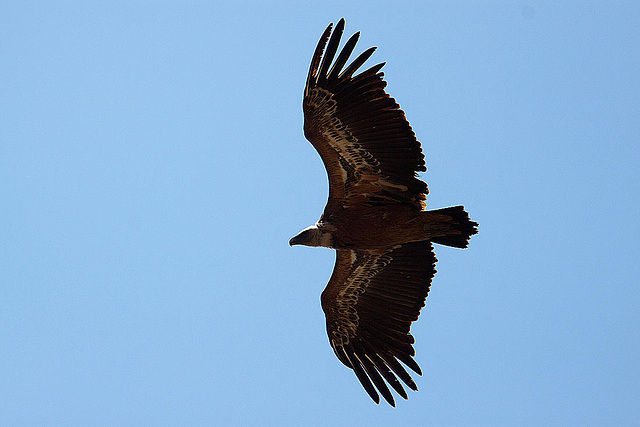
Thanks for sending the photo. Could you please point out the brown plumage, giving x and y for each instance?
(374, 217)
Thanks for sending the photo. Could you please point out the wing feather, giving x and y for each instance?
(384, 369)
(360, 132)
(330, 53)
(361, 374)
(346, 52)
(370, 302)
(373, 372)
(317, 56)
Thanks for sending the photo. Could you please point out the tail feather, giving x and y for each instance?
(461, 227)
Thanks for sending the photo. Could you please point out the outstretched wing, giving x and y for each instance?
(370, 302)
(367, 145)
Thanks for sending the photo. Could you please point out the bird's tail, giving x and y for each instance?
(460, 227)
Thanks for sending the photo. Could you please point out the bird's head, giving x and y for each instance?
(312, 236)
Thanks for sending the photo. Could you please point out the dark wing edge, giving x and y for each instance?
(370, 302)
(370, 152)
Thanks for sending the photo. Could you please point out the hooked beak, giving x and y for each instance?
(295, 240)
(300, 238)
(305, 237)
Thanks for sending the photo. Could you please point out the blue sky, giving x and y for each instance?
(153, 169)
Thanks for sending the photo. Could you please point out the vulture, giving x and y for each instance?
(375, 217)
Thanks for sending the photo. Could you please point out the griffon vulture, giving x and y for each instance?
(375, 217)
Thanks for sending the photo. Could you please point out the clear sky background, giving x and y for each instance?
(153, 168)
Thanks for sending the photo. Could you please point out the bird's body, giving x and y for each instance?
(383, 227)
(375, 217)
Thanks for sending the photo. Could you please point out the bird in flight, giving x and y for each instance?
(375, 217)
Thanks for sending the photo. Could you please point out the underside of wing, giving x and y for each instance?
(370, 302)
(370, 152)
